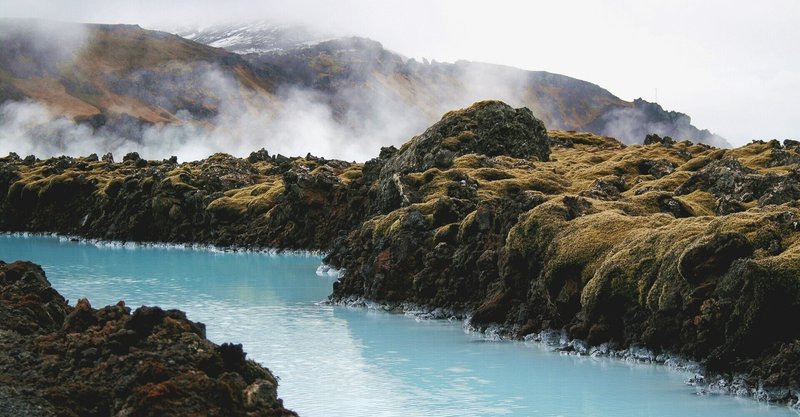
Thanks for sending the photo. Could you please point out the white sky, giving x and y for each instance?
(734, 66)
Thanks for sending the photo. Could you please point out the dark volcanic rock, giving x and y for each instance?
(654, 138)
(56, 360)
(613, 255)
(722, 177)
(488, 128)
(190, 202)
(735, 185)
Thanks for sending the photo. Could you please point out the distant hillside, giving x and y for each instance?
(108, 71)
(134, 89)
(346, 66)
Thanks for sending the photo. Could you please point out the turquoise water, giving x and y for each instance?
(338, 361)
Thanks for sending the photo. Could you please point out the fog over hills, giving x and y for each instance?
(80, 89)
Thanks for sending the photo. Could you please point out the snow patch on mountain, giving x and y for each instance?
(253, 38)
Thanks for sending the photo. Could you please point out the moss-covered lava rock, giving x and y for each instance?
(58, 360)
(490, 128)
(672, 245)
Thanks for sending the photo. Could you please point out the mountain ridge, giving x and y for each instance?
(253, 37)
(595, 123)
(134, 89)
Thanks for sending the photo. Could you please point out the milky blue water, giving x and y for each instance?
(338, 361)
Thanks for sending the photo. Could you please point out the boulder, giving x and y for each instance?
(488, 128)
(81, 361)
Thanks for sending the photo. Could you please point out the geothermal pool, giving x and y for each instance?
(340, 361)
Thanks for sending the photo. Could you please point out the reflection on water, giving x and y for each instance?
(337, 361)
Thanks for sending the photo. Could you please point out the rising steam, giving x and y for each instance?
(353, 123)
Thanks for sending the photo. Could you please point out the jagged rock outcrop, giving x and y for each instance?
(490, 128)
(58, 360)
(633, 121)
(735, 185)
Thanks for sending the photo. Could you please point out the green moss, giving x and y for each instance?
(227, 208)
(447, 233)
(643, 266)
(700, 203)
(785, 263)
(352, 173)
(581, 245)
(380, 225)
(701, 160)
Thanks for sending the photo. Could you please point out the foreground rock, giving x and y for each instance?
(58, 360)
(673, 246)
(260, 201)
(487, 128)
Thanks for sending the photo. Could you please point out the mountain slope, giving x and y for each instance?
(361, 66)
(115, 70)
(132, 89)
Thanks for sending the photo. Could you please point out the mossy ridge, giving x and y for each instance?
(597, 240)
(211, 201)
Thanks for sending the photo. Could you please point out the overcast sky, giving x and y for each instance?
(734, 66)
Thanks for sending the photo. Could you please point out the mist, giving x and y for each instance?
(732, 66)
(352, 125)
(634, 123)
(692, 60)
(300, 122)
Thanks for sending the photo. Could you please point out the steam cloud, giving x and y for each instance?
(352, 124)
(296, 122)
(632, 124)
(301, 123)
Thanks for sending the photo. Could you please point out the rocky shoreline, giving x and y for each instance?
(59, 360)
(166, 245)
(671, 246)
(739, 385)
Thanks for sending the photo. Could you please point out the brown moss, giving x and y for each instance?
(756, 155)
(351, 173)
(700, 203)
(668, 183)
(472, 161)
(643, 267)
(585, 138)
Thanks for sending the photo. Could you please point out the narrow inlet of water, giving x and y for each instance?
(339, 361)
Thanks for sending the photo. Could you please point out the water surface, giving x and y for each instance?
(338, 361)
